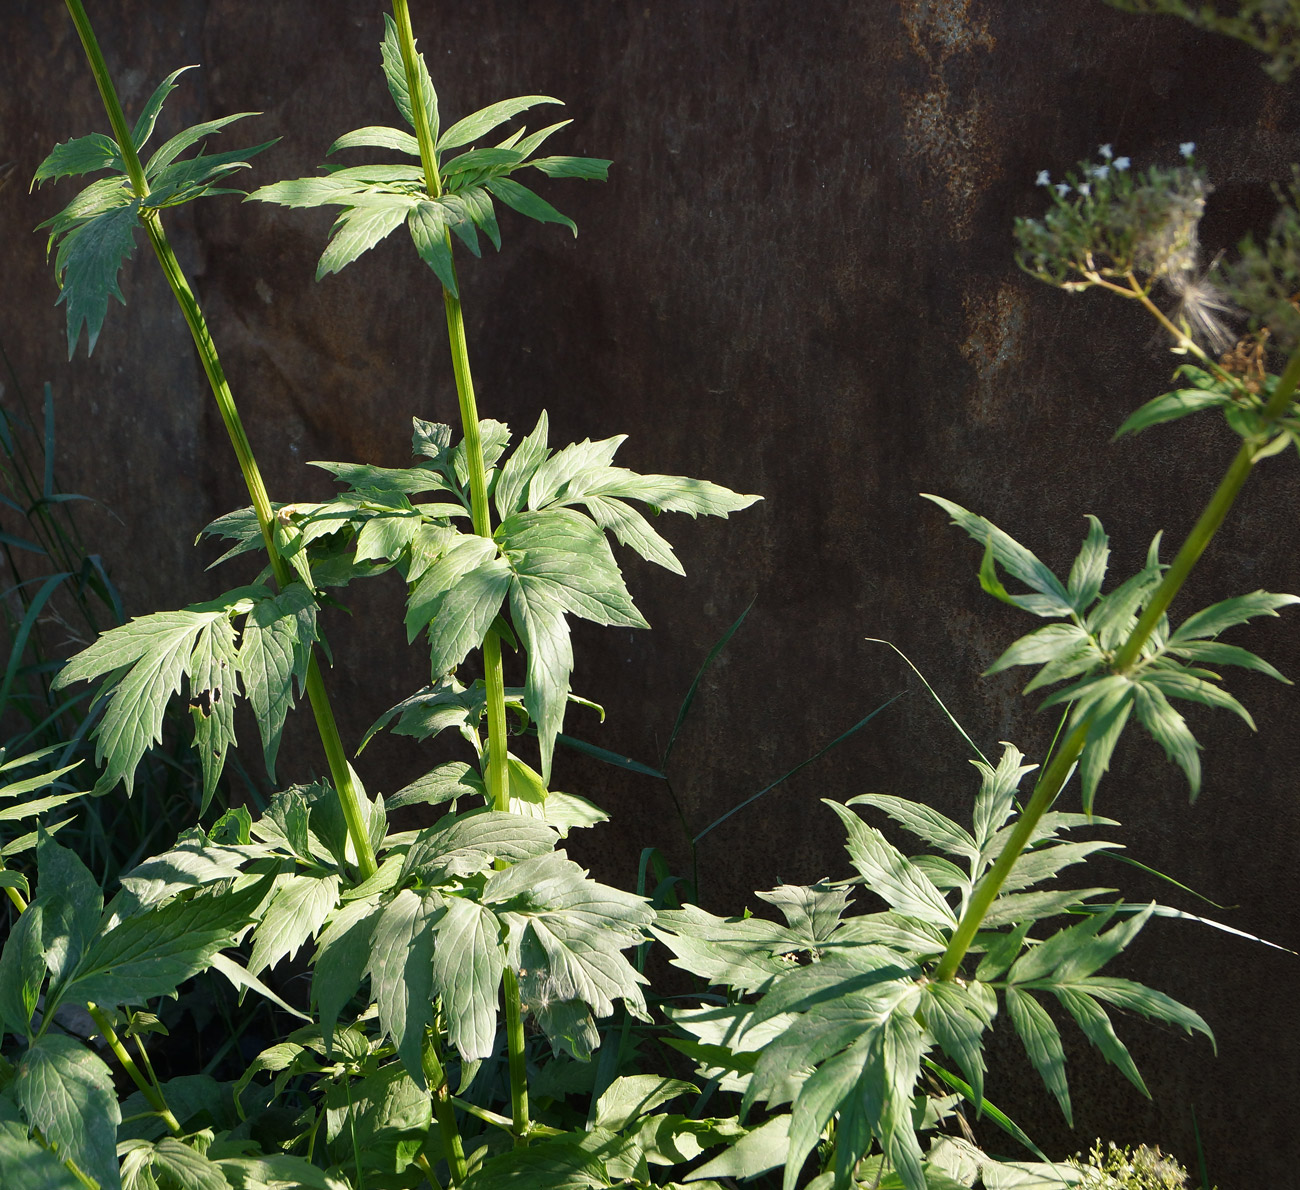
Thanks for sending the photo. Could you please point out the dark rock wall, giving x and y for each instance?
(798, 282)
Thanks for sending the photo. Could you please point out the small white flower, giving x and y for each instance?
(1101, 171)
(1105, 152)
(1043, 179)
(1121, 163)
(1062, 188)
(1187, 148)
(1085, 188)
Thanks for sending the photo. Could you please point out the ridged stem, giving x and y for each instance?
(341, 774)
(444, 1110)
(518, 1071)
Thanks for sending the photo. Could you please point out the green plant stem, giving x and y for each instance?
(344, 783)
(1045, 792)
(518, 1071)
(1054, 776)
(443, 1108)
(151, 1093)
(17, 898)
(498, 785)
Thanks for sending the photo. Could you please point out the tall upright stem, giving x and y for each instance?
(498, 784)
(336, 757)
(1054, 776)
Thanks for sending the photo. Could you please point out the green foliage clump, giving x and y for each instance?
(1140, 1168)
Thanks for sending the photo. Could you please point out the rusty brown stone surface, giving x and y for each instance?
(798, 282)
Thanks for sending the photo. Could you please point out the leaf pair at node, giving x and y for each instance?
(548, 558)
(1083, 649)
(95, 232)
(437, 198)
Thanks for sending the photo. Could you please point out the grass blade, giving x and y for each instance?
(875, 640)
(685, 708)
(858, 726)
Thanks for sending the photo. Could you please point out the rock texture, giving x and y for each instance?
(798, 282)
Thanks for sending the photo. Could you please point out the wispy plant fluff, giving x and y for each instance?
(1115, 227)
(1265, 279)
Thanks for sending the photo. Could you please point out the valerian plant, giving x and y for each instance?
(843, 1036)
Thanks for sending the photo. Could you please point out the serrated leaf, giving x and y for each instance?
(1012, 557)
(1138, 998)
(22, 970)
(922, 821)
(89, 258)
(523, 200)
(756, 1152)
(738, 952)
(470, 553)
(890, 875)
(566, 554)
(274, 650)
(73, 904)
(538, 617)
(1052, 643)
(1168, 728)
(670, 493)
(193, 862)
(152, 953)
(812, 912)
(29, 1165)
(187, 1166)
(1192, 686)
(997, 792)
(1042, 1042)
(427, 222)
(468, 960)
(519, 469)
(395, 73)
(468, 130)
(176, 145)
(446, 783)
(144, 125)
(1214, 653)
(466, 844)
(465, 612)
(1092, 1019)
(1171, 407)
(566, 933)
(67, 1092)
(1220, 616)
(299, 908)
(400, 969)
(148, 656)
(1089, 569)
(958, 1017)
(377, 137)
(632, 1097)
(84, 155)
(341, 959)
(592, 168)
(359, 228)
(632, 530)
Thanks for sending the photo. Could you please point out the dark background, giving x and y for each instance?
(797, 282)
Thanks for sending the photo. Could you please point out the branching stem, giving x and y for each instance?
(152, 1094)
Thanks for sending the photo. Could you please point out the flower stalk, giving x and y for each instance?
(1058, 770)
